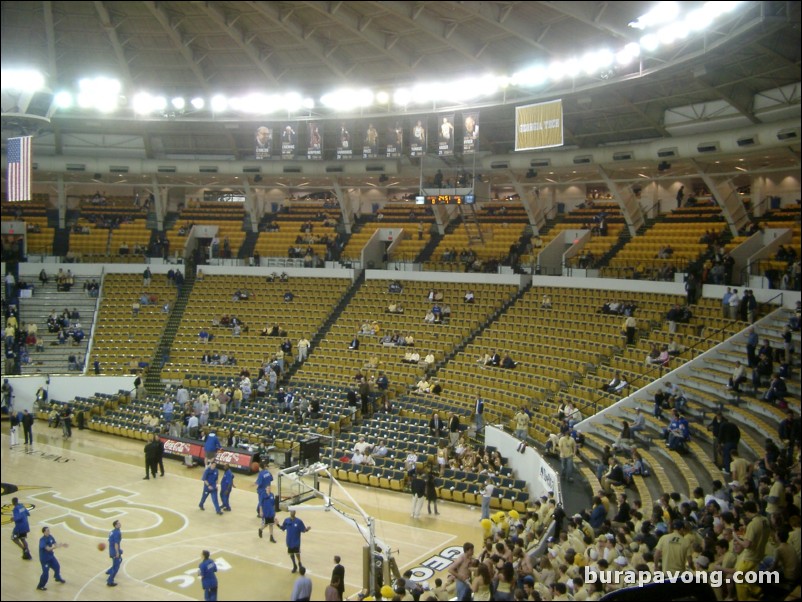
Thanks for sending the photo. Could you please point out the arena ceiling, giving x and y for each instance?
(713, 80)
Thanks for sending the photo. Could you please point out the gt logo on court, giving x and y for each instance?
(91, 515)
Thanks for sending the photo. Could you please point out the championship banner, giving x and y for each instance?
(264, 142)
(370, 147)
(470, 134)
(539, 125)
(445, 135)
(314, 150)
(289, 141)
(417, 146)
(344, 149)
(395, 140)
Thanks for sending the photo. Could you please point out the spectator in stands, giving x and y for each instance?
(636, 467)
(545, 302)
(422, 386)
(354, 343)
(522, 425)
(678, 433)
(653, 354)
(508, 362)
(638, 424)
(454, 429)
(614, 477)
(598, 513)
(572, 415)
(614, 382)
(437, 426)
(675, 347)
(777, 391)
(737, 378)
(567, 450)
(728, 437)
(77, 334)
(395, 308)
(734, 304)
(624, 440)
(630, 328)
(762, 371)
(469, 297)
(676, 396)
(494, 359)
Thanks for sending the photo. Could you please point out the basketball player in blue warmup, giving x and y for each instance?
(263, 482)
(21, 527)
(210, 486)
(47, 557)
(268, 505)
(294, 527)
(226, 485)
(115, 552)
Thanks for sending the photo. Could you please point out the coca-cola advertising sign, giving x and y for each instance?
(179, 448)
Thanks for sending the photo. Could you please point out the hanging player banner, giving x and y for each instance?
(470, 134)
(344, 150)
(289, 140)
(264, 142)
(417, 145)
(395, 140)
(539, 125)
(445, 135)
(315, 148)
(370, 147)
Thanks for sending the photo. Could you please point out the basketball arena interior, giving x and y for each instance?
(468, 232)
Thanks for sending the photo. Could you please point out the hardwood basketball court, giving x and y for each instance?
(79, 486)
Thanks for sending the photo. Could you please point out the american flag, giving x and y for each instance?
(19, 168)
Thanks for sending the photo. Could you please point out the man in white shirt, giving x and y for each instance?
(487, 495)
(303, 348)
(182, 395)
(361, 446)
(192, 426)
(735, 304)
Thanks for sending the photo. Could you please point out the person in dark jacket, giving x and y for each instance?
(151, 457)
(431, 493)
(729, 435)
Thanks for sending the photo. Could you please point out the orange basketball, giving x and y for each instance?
(101, 546)
(255, 467)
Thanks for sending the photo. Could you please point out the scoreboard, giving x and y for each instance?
(446, 199)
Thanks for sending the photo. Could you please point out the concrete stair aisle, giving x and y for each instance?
(686, 476)
(590, 459)
(649, 488)
(36, 309)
